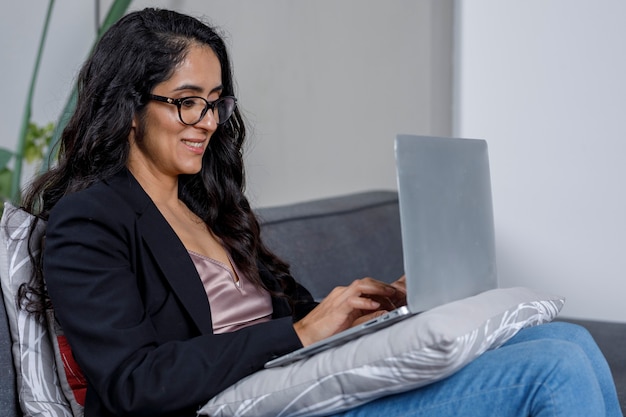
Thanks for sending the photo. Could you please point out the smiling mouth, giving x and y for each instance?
(191, 144)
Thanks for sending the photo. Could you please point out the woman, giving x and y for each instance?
(157, 273)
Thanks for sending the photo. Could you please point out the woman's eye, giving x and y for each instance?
(189, 102)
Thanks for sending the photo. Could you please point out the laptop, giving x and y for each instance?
(446, 218)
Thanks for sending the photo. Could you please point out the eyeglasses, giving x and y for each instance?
(193, 109)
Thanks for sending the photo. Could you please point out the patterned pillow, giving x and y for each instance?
(426, 348)
(39, 385)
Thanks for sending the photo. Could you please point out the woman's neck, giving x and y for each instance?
(162, 190)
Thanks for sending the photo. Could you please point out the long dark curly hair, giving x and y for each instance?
(138, 52)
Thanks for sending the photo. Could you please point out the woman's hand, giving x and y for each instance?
(347, 306)
(399, 298)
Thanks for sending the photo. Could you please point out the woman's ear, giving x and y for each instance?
(132, 135)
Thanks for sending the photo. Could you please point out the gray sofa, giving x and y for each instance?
(333, 241)
(329, 242)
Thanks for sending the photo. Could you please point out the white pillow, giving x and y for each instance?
(426, 348)
(38, 385)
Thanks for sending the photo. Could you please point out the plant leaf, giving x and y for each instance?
(5, 157)
(5, 183)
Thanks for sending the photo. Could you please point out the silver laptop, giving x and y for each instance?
(446, 218)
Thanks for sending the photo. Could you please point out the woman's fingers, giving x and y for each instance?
(362, 319)
(399, 298)
(344, 306)
(371, 287)
(400, 284)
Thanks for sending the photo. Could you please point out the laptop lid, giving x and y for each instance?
(446, 216)
(447, 230)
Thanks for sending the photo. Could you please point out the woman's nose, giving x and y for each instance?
(208, 121)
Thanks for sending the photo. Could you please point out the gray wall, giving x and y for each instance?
(544, 83)
(325, 85)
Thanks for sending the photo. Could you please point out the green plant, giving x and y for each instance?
(36, 144)
(31, 135)
(117, 10)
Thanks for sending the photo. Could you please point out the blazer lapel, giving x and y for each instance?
(168, 251)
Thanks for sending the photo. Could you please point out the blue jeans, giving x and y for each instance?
(550, 370)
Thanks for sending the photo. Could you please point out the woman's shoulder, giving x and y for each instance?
(111, 196)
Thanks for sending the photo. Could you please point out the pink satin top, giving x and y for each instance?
(234, 303)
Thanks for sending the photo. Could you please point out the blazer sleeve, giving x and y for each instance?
(133, 364)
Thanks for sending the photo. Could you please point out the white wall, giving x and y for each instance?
(70, 35)
(325, 85)
(543, 82)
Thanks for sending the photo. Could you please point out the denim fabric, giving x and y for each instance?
(550, 370)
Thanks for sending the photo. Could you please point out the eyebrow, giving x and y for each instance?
(198, 89)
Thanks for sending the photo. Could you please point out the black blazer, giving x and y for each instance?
(135, 312)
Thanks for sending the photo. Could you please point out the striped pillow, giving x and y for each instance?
(39, 385)
(426, 348)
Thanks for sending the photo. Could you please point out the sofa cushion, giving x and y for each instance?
(38, 385)
(611, 339)
(8, 394)
(425, 348)
(332, 241)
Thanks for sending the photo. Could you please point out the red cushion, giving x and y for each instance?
(74, 375)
